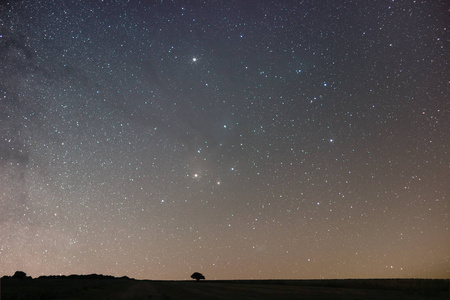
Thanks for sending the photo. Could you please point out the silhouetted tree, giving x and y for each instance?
(20, 275)
(197, 276)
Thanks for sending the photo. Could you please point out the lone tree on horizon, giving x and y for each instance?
(197, 276)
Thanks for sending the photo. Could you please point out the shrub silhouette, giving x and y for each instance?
(197, 276)
(20, 275)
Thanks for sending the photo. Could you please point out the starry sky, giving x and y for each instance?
(240, 139)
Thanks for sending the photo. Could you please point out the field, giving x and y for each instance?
(121, 288)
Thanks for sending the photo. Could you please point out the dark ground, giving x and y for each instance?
(94, 288)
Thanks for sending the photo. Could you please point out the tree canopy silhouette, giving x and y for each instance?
(197, 276)
(20, 275)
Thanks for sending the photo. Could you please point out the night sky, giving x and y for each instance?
(239, 139)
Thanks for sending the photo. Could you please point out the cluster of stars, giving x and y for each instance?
(154, 139)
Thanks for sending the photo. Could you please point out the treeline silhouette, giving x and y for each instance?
(22, 275)
(81, 277)
(86, 287)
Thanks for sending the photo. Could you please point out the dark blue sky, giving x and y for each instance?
(240, 139)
